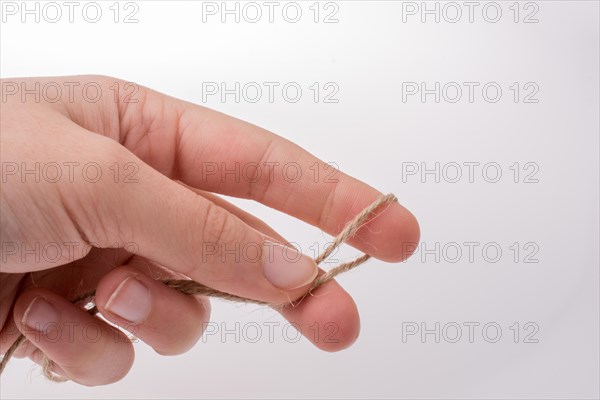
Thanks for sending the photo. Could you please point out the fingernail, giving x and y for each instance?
(287, 268)
(130, 301)
(40, 316)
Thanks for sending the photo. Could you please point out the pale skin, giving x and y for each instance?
(167, 214)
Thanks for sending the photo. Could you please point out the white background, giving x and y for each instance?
(372, 134)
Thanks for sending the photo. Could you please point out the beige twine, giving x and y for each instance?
(191, 287)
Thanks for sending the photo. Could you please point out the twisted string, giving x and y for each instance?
(194, 288)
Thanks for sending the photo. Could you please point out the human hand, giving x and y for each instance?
(118, 220)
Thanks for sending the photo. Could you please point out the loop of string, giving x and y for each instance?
(194, 288)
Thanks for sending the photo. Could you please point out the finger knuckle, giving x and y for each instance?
(218, 227)
(92, 205)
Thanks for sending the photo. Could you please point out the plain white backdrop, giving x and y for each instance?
(533, 307)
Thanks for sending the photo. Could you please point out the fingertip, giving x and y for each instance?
(111, 282)
(25, 300)
(392, 236)
(406, 234)
(338, 318)
(328, 317)
(84, 348)
(171, 322)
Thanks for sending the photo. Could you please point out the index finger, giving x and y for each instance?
(212, 149)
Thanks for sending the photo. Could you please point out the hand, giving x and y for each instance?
(105, 210)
